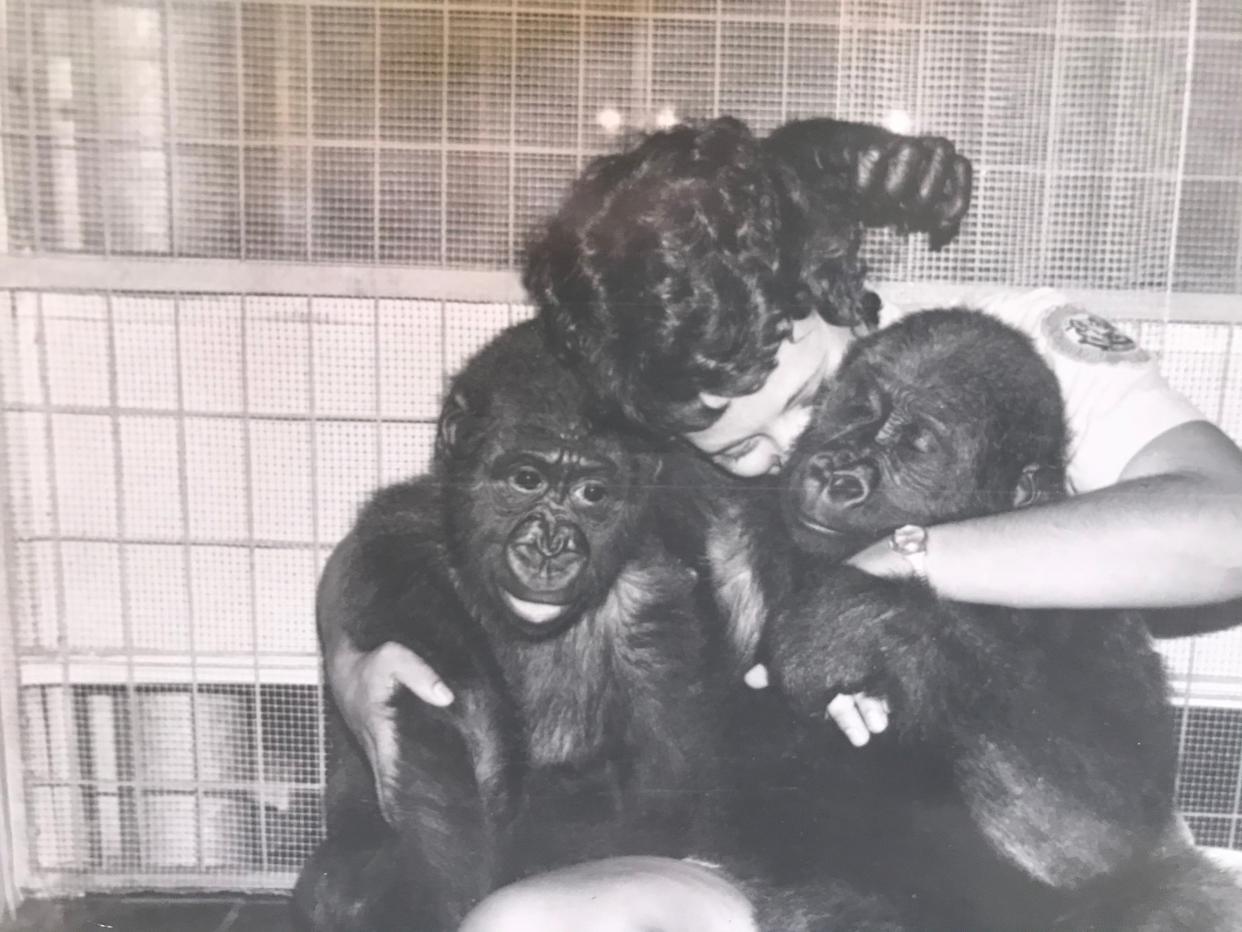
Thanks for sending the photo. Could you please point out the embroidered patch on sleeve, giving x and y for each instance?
(1083, 335)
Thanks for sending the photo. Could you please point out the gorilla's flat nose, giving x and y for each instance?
(838, 478)
(546, 555)
(564, 537)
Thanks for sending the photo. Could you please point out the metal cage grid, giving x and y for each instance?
(185, 439)
(436, 133)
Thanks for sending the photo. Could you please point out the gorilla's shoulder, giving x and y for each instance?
(412, 507)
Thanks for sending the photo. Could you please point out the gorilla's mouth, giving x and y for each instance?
(537, 613)
(809, 536)
(816, 528)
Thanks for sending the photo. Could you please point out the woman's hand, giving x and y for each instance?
(363, 684)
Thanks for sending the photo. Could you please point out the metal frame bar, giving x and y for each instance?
(230, 276)
(57, 882)
(14, 847)
(493, 286)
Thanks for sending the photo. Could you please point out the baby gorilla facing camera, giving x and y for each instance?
(1052, 729)
(524, 571)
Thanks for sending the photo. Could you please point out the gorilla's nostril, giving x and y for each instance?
(846, 487)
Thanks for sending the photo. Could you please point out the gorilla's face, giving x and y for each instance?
(544, 502)
(558, 509)
(896, 439)
(947, 414)
(884, 461)
(545, 512)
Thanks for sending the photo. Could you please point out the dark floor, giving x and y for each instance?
(153, 914)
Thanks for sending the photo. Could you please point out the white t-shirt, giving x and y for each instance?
(1116, 400)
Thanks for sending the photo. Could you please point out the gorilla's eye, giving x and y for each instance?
(592, 493)
(921, 439)
(526, 479)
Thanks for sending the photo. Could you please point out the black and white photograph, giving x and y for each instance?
(621, 466)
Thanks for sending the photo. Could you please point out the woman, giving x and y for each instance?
(705, 283)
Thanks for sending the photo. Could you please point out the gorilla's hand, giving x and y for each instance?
(859, 716)
(917, 183)
(826, 643)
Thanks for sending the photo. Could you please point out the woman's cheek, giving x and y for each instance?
(792, 426)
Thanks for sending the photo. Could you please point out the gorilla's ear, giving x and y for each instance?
(1036, 485)
(455, 418)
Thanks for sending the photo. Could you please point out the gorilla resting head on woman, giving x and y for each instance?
(675, 272)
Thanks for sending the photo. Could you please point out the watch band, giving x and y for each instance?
(910, 540)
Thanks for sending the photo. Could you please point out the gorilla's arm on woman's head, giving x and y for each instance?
(678, 266)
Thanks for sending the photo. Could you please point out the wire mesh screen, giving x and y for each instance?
(437, 132)
(179, 467)
(179, 464)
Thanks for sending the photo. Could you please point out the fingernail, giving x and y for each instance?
(441, 694)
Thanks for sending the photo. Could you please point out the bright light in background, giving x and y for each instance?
(666, 117)
(610, 120)
(898, 121)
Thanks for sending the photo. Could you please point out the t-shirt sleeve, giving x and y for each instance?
(1106, 437)
(1116, 399)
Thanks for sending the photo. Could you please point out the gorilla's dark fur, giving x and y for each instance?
(1027, 780)
(523, 570)
(1045, 737)
(590, 696)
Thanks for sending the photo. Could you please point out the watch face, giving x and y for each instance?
(910, 538)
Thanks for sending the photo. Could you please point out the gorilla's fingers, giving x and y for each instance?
(843, 709)
(936, 173)
(757, 677)
(915, 183)
(955, 204)
(865, 165)
(905, 167)
(941, 236)
(955, 207)
(874, 712)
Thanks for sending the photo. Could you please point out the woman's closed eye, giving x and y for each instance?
(738, 450)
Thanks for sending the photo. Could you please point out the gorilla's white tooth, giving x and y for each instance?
(536, 613)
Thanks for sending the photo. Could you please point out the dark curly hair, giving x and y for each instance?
(679, 266)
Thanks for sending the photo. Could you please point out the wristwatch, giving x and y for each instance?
(910, 541)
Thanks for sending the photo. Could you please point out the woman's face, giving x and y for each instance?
(755, 432)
